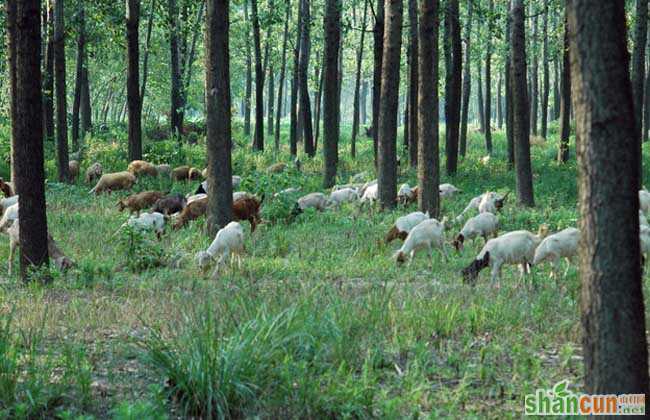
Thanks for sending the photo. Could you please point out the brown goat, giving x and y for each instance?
(276, 168)
(170, 204)
(141, 167)
(185, 173)
(73, 169)
(114, 181)
(140, 201)
(248, 208)
(94, 172)
(6, 188)
(192, 211)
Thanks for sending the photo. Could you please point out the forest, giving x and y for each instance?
(219, 209)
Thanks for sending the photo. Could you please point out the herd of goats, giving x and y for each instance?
(151, 211)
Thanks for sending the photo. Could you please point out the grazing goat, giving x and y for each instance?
(192, 211)
(644, 201)
(427, 234)
(229, 242)
(142, 167)
(405, 194)
(447, 190)
(61, 261)
(94, 172)
(73, 169)
(489, 202)
(403, 225)
(485, 224)
(140, 201)
(248, 208)
(643, 221)
(6, 188)
(291, 190)
(7, 202)
(170, 204)
(563, 244)
(164, 170)
(517, 247)
(203, 186)
(147, 222)
(344, 195)
(315, 200)
(365, 186)
(276, 168)
(185, 173)
(114, 181)
(9, 216)
(371, 194)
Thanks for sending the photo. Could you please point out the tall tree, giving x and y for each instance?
(24, 34)
(133, 79)
(389, 101)
(453, 65)
(488, 80)
(249, 74)
(427, 110)
(479, 99)
(378, 54)
(283, 70)
(258, 136)
(646, 106)
(305, 104)
(59, 82)
(546, 88)
(565, 99)
(145, 59)
(638, 71)
(534, 82)
(613, 313)
(175, 67)
(467, 81)
(412, 122)
(357, 84)
(217, 99)
(48, 75)
(78, 86)
(293, 131)
(331, 105)
(521, 107)
(271, 100)
(508, 96)
(499, 102)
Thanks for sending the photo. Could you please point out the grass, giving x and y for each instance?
(320, 321)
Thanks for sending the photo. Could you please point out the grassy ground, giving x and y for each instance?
(320, 322)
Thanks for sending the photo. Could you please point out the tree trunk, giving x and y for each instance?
(293, 132)
(217, 99)
(48, 76)
(613, 315)
(378, 52)
(305, 105)
(427, 110)
(546, 88)
(357, 84)
(646, 109)
(86, 111)
(258, 136)
(509, 108)
(521, 107)
(412, 126)
(133, 79)
(189, 62)
(319, 94)
(467, 81)
(364, 103)
(565, 100)
(453, 62)
(331, 105)
(249, 75)
(59, 82)
(534, 80)
(175, 60)
(283, 70)
(145, 59)
(271, 101)
(24, 35)
(499, 103)
(638, 71)
(81, 56)
(488, 83)
(556, 88)
(479, 100)
(389, 101)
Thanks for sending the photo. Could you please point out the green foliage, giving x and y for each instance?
(141, 252)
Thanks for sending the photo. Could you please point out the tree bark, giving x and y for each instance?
(81, 56)
(427, 110)
(271, 100)
(145, 59)
(499, 103)
(556, 88)
(305, 104)
(389, 101)
(638, 71)
(467, 81)
(59, 82)
(546, 88)
(646, 106)
(453, 64)
(249, 75)
(86, 111)
(364, 104)
(378, 52)
(521, 107)
(479, 100)
(565, 100)
(412, 123)
(331, 105)
(488, 82)
(293, 131)
(175, 61)
(357, 84)
(217, 99)
(283, 70)
(509, 108)
(613, 315)
(133, 79)
(24, 35)
(48, 76)
(258, 136)
(317, 106)
(534, 80)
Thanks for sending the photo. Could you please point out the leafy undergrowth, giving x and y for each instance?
(319, 322)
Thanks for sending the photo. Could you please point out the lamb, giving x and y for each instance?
(517, 247)
(73, 169)
(203, 186)
(563, 244)
(485, 224)
(170, 204)
(7, 202)
(315, 200)
(114, 181)
(147, 222)
(229, 241)
(343, 195)
(185, 173)
(164, 170)
(403, 225)
(10, 215)
(142, 167)
(94, 172)
(61, 261)
(6, 188)
(427, 234)
(192, 211)
(447, 190)
(140, 201)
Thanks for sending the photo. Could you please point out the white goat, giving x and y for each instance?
(344, 195)
(365, 186)
(61, 261)
(9, 216)
(644, 201)
(290, 190)
(517, 247)
(427, 234)
(563, 244)
(643, 221)
(147, 222)
(404, 194)
(484, 224)
(228, 242)
(490, 202)
(315, 200)
(403, 225)
(195, 197)
(7, 202)
(371, 193)
(447, 190)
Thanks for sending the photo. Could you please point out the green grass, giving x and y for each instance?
(320, 321)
